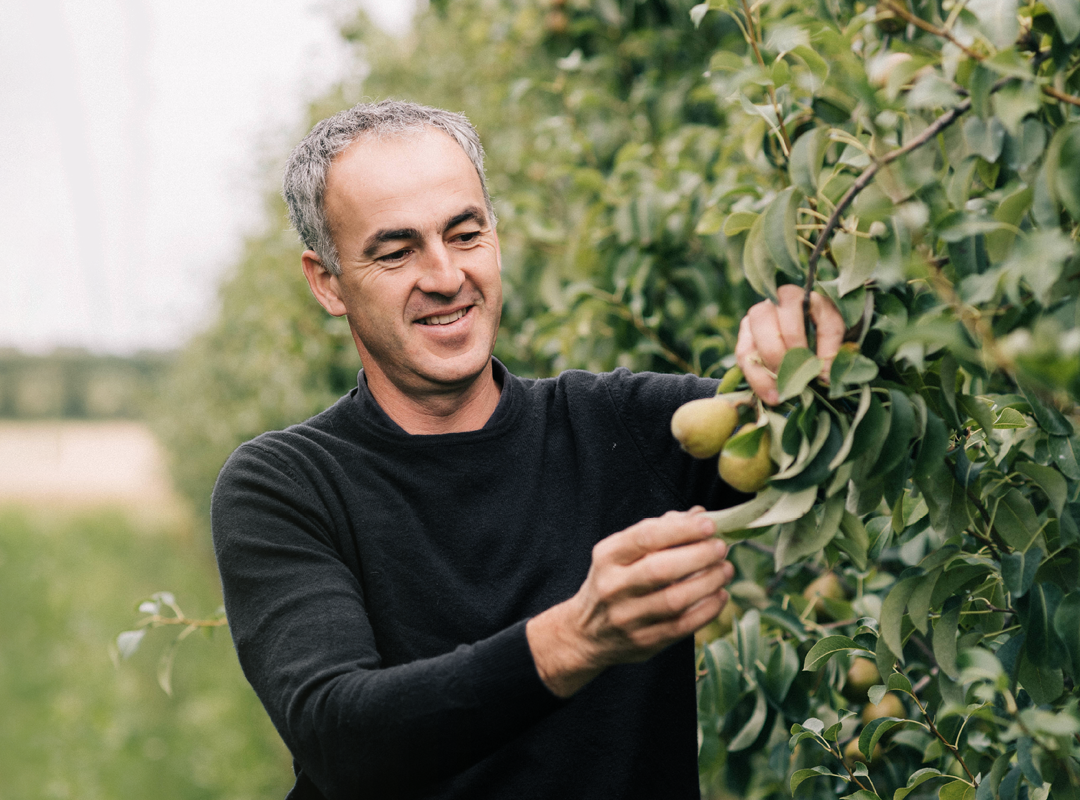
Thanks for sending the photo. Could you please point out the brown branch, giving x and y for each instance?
(918, 22)
(1059, 95)
(936, 127)
(949, 745)
(944, 33)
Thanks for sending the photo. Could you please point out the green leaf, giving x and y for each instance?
(1018, 570)
(1065, 452)
(1049, 480)
(1015, 519)
(817, 65)
(1026, 763)
(979, 411)
(802, 775)
(799, 367)
(780, 672)
(758, 267)
(807, 156)
(932, 448)
(856, 256)
(128, 642)
(1049, 418)
(808, 535)
(778, 231)
(791, 506)
(825, 649)
(892, 612)
(849, 440)
(1067, 627)
(855, 541)
(901, 430)
(985, 137)
(1063, 166)
(748, 640)
(738, 222)
(1066, 14)
(919, 602)
(957, 790)
(917, 779)
(850, 368)
(727, 675)
(1044, 684)
(875, 729)
(944, 639)
(997, 20)
(739, 517)
(816, 468)
(752, 729)
(1010, 419)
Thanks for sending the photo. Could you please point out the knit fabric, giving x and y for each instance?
(377, 586)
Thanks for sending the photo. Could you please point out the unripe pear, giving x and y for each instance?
(890, 706)
(744, 466)
(702, 426)
(826, 585)
(852, 753)
(861, 675)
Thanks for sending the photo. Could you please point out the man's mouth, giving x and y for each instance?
(445, 319)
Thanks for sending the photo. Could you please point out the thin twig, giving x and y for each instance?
(936, 127)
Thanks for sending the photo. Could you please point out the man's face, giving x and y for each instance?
(419, 258)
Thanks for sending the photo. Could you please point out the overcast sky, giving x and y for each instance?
(132, 133)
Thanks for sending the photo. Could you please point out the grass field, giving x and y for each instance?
(73, 725)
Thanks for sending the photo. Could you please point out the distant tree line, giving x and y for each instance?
(72, 383)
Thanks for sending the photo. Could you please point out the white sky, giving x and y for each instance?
(132, 134)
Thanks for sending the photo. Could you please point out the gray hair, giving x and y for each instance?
(304, 184)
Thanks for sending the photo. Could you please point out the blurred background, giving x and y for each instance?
(153, 315)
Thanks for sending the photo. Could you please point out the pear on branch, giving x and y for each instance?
(703, 426)
(744, 461)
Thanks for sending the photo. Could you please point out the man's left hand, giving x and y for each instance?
(769, 330)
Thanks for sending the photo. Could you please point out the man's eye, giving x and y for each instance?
(468, 237)
(397, 255)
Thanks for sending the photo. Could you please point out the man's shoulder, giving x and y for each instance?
(626, 388)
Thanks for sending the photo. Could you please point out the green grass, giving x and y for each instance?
(73, 725)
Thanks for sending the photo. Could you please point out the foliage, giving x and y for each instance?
(918, 165)
(75, 726)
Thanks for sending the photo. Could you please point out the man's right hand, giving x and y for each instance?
(649, 586)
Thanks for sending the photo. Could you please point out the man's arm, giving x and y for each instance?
(649, 586)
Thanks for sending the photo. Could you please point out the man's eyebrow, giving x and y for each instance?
(371, 248)
(472, 213)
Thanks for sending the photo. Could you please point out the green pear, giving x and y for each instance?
(744, 461)
(702, 426)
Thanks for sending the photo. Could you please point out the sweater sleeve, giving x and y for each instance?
(297, 616)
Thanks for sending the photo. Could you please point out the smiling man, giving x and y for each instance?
(456, 582)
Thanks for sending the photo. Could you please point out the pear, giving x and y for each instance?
(826, 585)
(890, 706)
(852, 753)
(861, 675)
(702, 426)
(744, 461)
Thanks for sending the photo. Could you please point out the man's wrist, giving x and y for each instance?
(559, 653)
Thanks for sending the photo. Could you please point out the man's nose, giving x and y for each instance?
(440, 273)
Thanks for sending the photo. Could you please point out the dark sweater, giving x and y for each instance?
(377, 586)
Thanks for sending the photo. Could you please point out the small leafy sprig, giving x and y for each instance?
(162, 610)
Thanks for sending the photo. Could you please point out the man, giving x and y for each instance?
(456, 582)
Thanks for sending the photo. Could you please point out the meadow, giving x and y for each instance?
(74, 724)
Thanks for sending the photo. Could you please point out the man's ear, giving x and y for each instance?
(323, 284)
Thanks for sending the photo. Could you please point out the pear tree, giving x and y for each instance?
(918, 163)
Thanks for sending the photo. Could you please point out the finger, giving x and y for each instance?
(830, 330)
(672, 612)
(669, 566)
(650, 535)
(671, 601)
(768, 338)
(762, 382)
(790, 316)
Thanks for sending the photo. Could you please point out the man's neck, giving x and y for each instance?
(450, 411)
